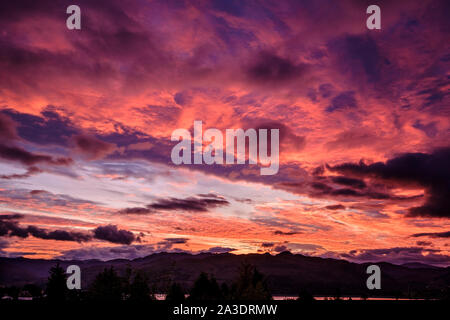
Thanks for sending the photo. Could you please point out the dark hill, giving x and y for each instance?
(287, 273)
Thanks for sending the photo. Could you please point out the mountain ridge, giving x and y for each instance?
(286, 273)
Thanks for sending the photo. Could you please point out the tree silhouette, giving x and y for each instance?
(305, 296)
(225, 291)
(205, 288)
(337, 295)
(107, 286)
(175, 293)
(34, 290)
(56, 284)
(139, 289)
(250, 285)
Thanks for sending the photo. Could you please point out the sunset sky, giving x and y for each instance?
(86, 118)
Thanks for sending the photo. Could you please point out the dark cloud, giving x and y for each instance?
(168, 243)
(269, 68)
(351, 182)
(30, 172)
(432, 97)
(13, 153)
(38, 192)
(424, 243)
(7, 129)
(136, 210)
(190, 204)
(130, 252)
(430, 171)
(285, 233)
(280, 248)
(429, 129)
(326, 90)
(267, 244)
(182, 98)
(176, 240)
(445, 234)
(58, 234)
(46, 198)
(219, 250)
(353, 138)
(112, 234)
(335, 207)
(323, 189)
(91, 147)
(358, 55)
(399, 255)
(344, 101)
(10, 227)
(13, 216)
(199, 203)
(289, 140)
(50, 127)
(233, 7)
(108, 253)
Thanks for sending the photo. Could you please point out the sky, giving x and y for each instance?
(86, 118)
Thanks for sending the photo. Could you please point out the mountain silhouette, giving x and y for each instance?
(287, 273)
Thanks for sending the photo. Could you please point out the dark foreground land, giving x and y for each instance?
(215, 310)
(286, 274)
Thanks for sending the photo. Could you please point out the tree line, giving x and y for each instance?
(134, 286)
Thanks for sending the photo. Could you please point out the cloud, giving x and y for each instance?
(285, 233)
(108, 253)
(323, 188)
(445, 234)
(91, 147)
(7, 129)
(352, 138)
(112, 234)
(280, 248)
(58, 234)
(128, 74)
(11, 151)
(182, 98)
(343, 101)
(270, 68)
(174, 240)
(429, 129)
(130, 252)
(267, 244)
(358, 55)
(11, 228)
(168, 243)
(218, 250)
(399, 255)
(21, 155)
(429, 170)
(13, 216)
(335, 207)
(424, 243)
(49, 127)
(200, 203)
(30, 172)
(136, 210)
(351, 182)
(304, 247)
(289, 141)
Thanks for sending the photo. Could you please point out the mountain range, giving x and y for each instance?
(287, 273)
